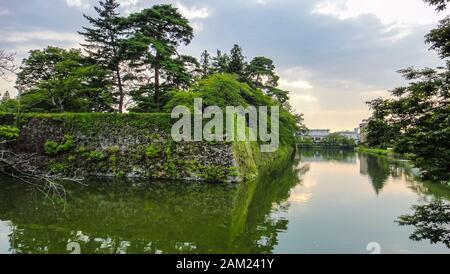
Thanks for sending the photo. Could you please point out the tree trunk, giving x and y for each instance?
(121, 93)
(156, 98)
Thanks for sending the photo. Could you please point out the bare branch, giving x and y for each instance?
(7, 63)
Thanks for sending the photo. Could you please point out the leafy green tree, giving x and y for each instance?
(337, 140)
(103, 44)
(261, 72)
(237, 63)
(281, 96)
(439, 38)
(226, 90)
(380, 133)
(58, 80)
(419, 113)
(158, 32)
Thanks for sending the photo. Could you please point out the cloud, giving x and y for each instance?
(333, 55)
(78, 3)
(193, 12)
(416, 12)
(4, 11)
(295, 85)
(38, 34)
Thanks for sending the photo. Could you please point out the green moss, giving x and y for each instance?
(153, 151)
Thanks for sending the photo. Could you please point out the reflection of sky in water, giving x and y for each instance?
(333, 202)
(4, 237)
(336, 209)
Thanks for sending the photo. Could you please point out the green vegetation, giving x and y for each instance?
(53, 148)
(9, 132)
(431, 221)
(333, 140)
(416, 120)
(81, 93)
(153, 151)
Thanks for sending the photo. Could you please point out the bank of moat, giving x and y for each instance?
(131, 145)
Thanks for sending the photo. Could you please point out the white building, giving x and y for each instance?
(317, 134)
(350, 134)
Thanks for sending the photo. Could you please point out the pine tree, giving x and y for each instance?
(160, 30)
(220, 62)
(237, 61)
(205, 64)
(103, 42)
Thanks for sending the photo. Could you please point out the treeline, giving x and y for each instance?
(129, 64)
(416, 120)
(334, 140)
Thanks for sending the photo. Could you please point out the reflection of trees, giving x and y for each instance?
(143, 217)
(273, 189)
(326, 155)
(431, 222)
(379, 169)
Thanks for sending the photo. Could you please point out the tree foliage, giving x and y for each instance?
(58, 80)
(416, 120)
(431, 222)
(439, 4)
(237, 63)
(104, 44)
(157, 34)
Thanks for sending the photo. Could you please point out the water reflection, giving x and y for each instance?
(320, 201)
(143, 217)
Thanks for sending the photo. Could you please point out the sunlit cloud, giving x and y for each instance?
(193, 12)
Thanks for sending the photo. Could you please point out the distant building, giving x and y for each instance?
(317, 134)
(354, 135)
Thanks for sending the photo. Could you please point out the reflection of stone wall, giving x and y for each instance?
(126, 145)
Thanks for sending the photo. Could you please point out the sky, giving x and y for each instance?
(333, 55)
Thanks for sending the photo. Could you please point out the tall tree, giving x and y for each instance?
(220, 62)
(237, 61)
(205, 64)
(419, 113)
(103, 43)
(158, 32)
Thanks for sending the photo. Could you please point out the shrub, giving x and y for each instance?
(9, 132)
(53, 148)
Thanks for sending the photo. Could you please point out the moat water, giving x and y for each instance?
(322, 201)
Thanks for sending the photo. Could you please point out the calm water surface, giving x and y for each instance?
(320, 202)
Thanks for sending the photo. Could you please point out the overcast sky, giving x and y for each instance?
(333, 55)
